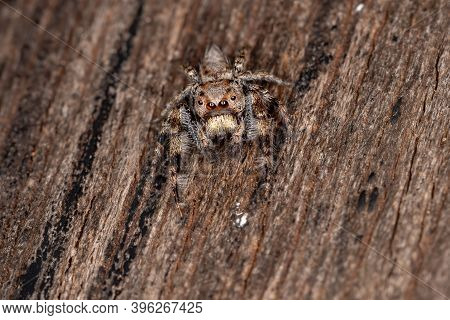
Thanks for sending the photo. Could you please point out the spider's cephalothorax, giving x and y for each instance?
(223, 106)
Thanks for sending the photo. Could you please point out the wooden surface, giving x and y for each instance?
(358, 207)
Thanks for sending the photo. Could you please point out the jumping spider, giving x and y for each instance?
(222, 107)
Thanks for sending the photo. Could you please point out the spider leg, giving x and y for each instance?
(192, 74)
(174, 102)
(159, 162)
(271, 128)
(171, 143)
(262, 76)
(251, 128)
(182, 138)
(277, 115)
(277, 112)
(174, 171)
(179, 97)
(240, 62)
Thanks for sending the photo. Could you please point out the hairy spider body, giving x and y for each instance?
(222, 107)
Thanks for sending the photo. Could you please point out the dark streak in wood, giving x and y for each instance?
(55, 249)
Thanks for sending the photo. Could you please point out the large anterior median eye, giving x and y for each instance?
(211, 105)
(223, 103)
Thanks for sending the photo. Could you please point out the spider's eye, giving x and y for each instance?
(200, 102)
(233, 98)
(211, 105)
(223, 103)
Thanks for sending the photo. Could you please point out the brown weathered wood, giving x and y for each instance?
(358, 207)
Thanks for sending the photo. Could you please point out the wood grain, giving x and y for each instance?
(358, 207)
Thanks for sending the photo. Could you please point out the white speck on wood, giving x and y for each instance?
(241, 220)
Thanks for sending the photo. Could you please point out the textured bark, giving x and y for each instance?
(358, 206)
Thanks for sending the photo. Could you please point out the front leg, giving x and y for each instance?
(240, 62)
(260, 76)
(174, 102)
(178, 147)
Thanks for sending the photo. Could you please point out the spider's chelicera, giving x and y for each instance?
(223, 106)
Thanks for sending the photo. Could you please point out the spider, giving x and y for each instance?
(223, 106)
